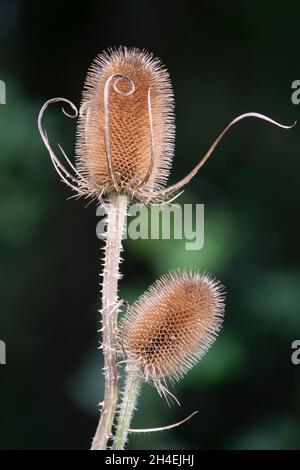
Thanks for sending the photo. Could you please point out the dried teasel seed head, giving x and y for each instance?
(173, 324)
(125, 135)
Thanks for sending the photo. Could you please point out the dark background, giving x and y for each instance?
(225, 58)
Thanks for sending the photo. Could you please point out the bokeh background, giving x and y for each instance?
(225, 58)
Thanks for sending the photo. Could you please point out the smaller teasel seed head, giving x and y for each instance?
(171, 326)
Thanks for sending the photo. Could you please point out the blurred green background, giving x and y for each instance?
(225, 58)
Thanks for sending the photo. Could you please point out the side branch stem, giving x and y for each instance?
(130, 396)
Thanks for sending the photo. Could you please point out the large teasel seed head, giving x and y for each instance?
(125, 135)
(172, 325)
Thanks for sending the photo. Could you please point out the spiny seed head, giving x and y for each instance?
(125, 137)
(173, 324)
(126, 127)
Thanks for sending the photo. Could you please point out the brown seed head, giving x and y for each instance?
(173, 324)
(125, 138)
(126, 126)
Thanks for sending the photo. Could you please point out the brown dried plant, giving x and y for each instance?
(165, 333)
(172, 325)
(124, 150)
(128, 94)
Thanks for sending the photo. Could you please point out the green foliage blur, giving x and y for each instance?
(225, 58)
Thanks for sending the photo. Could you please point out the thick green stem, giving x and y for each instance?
(130, 394)
(116, 215)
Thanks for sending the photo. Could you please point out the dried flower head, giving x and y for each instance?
(126, 128)
(125, 137)
(173, 324)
